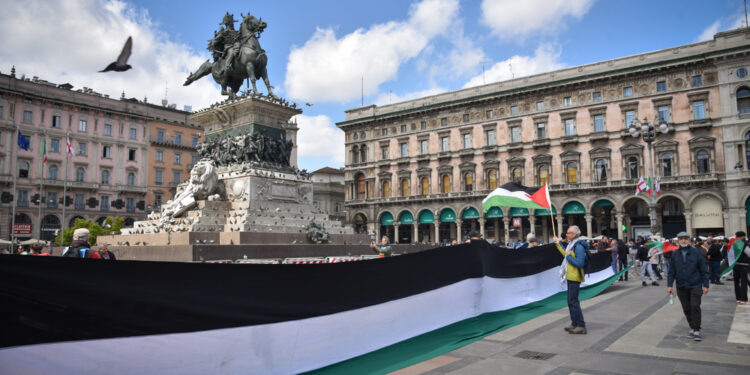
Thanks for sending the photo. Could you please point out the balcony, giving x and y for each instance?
(83, 185)
(489, 150)
(53, 182)
(466, 152)
(515, 146)
(131, 189)
(569, 140)
(705, 123)
(444, 155)
(598, 136)
(171, 143)
(541, 142)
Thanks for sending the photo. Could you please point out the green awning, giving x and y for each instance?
(603, 203)
(406, 217)
(386, 218)
(447, 216)
(426, 217)
(544, 211)
(519, 212)
(573, 208)
(470, 213)
(494, 212)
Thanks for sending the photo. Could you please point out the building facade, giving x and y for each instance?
(417, 171)
(172, 154)
(329, 192)
(106, 175)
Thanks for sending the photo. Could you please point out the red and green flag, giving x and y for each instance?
(44, 149)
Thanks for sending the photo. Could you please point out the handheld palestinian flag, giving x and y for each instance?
(733, 254)
(515, 195)
(202, 318)
(665, 246)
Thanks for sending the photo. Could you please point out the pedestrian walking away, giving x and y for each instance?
(572, 272)
(739, 273)
(688, 270)
(623, 253)
(643, 257)
(714, 260)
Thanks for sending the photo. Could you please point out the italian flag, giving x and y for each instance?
(44, 150)
(515, 195)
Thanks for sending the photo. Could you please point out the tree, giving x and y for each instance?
(111, 223)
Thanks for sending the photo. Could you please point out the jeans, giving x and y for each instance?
(655, 268)
(690, 299)
(739, 274)
(614, 266)
(574, 306)
(645, 265)
(715, 266)
(624, 265)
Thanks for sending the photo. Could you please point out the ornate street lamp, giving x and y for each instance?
(648, 132)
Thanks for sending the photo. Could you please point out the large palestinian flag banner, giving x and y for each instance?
(86, 316)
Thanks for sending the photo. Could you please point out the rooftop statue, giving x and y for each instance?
(237, 56)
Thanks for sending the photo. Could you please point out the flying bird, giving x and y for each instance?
(121, 64)
(308, 104)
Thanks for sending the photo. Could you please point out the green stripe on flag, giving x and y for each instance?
(443, 340)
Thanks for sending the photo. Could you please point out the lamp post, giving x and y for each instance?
(648, 132)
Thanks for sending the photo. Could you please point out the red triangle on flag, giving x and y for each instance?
(668, 246)
(541, 197)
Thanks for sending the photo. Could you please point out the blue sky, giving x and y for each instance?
(319, 50)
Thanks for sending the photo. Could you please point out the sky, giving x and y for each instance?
(340, 54)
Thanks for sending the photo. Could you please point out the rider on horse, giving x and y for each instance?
(227, 41)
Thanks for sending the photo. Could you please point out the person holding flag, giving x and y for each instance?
(742, 261)
(688, 269)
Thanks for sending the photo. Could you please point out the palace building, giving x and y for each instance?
(418, 170)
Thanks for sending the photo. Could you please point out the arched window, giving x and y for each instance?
(743, 100)
(468, 181)
(355, 155)
(80, 174)
(446, 183)
(543, 175)
(747, 150)
(405, 187)
(360, 186)
(516, 175)
(131, 179)
(704, 162)
(425, 182)
(492, 180)
(52, 172)
(572, 172)
(386, 189)
(601, 170)
(355, 136)
(105, 177)
(666, 164)
(633, 167)
(23, 169)
(363, 153)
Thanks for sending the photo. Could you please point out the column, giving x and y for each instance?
(506, 221)
(415, 236)
(545, 231)
(619, 226)
(532, 224)
(457, 234)
(560, 226)
(497, 229)
(588, 218)
(481, 226)
(437, 230)
(688, 223)
(396, 224)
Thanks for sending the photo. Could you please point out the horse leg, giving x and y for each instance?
(268, 84)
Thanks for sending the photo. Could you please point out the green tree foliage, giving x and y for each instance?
(111, 224)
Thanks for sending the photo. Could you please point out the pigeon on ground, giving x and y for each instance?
(121, 64)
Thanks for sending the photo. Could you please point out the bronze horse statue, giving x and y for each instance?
(250, 61)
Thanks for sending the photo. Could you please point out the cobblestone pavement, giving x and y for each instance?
(632, 329)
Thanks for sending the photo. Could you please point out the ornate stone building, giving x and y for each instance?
(418, 170)
(329, 192)
(106, 176)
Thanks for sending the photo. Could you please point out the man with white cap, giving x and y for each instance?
(80, 247)
(688, 268)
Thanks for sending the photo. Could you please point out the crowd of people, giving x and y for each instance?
(79, 248)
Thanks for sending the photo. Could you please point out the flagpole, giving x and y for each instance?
(65, 188)
(551, 216)
(15, 177)
(41, 182)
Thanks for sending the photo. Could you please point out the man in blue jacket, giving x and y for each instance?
(688, 268)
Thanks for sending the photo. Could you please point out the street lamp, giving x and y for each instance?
(648, 132)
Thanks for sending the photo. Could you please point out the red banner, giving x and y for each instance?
(22, 229)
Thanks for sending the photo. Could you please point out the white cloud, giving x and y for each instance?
(709, 32)
(520, 18)
(319, 136)
(70, 40)
(389, 98)
(327, 68)
(546, 58)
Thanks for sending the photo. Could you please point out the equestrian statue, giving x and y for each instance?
(237, 55)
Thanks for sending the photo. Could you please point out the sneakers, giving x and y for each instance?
(697, 336)
(644, 283)
(655, 283)
(569, 328)
(691, 334)
(578, 331)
